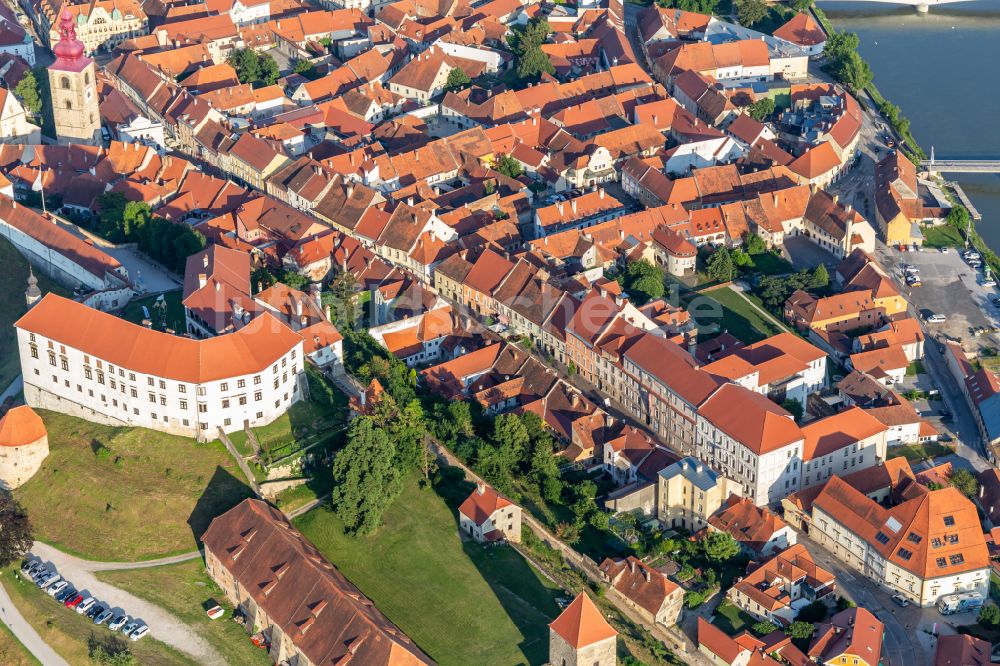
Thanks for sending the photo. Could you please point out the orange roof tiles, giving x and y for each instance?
(249, 350)
(21, 426)
(482, 504)
(801, 29)
(582, 624)
(826, 435)
(751, 419)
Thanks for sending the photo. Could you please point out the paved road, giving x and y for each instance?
(898, 647)
(162, 625)
(26, 633)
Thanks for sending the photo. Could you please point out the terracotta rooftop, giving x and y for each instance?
(582, 624)
(20, 426)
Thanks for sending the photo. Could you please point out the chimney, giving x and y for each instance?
(480, 487)
(327, 312)
(601, 192)
(202, 279)
(298, 308)
(836, 198)
(218, 285)
(204, 260)
(560, 207)
(573, 205)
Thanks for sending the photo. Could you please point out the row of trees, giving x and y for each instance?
(774, 290)
(845, 64)
(121, 220)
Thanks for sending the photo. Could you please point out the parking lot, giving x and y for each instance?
(951, 287)
(47, 578)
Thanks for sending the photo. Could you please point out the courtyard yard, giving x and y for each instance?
(917, 452)
(68, 633)
(186, 591)
(172, 316)
(725, 309)
(127, 494)
(460, 602)
(13, 305)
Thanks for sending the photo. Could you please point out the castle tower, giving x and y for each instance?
(580, 636)
(73, 88)
(32, 294)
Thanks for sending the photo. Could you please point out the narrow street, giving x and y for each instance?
(898, 646)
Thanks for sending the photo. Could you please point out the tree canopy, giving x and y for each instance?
(720, 266)
(966, 482)
(120, 220)
(531, 60)
(508, 166)
(750, 12)
(26, 91)
(16, 535)
(762, 108)
(643, 281)
(366, 477)
(720, 547)
(845, 64)
(258, 69)
(457, 79)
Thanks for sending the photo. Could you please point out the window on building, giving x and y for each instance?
(913, 537)
(257, 396)
(241, 383)
(882, 538)
(941, 562)
(184, 404)
(956, 559)
(64, 84)
(225, 386)
(949, 521)
(225, 403)
(904, 554)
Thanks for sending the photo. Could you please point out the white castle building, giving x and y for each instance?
(87, 363)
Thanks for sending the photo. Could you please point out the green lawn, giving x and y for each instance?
(460, 602)
(13, 305)
(68, 633)
(731, 619)
(124, 494)
(918, 452)
(319, 485)
(186, 591)
(173, 316)
(915, 368)
(739, 317)
(771, 263)
(942, 236)
(317, 420)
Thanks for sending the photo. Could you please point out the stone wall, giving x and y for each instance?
(19, 463)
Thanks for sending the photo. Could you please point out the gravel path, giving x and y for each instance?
(162, 625)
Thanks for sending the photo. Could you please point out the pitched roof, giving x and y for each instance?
(20, 426)
(639, 582)
(483, 503)
(826, 435)
(751, 419)
(801, 29)
(748, 524)
(249, 350)
(934, 534)
(324, 615)
(853, 632)
(582, 624)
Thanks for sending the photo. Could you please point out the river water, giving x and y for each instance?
(943, 70)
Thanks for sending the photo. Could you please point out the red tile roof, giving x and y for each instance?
(582, 624)
(20, 426)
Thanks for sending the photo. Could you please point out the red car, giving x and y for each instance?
(73, 601)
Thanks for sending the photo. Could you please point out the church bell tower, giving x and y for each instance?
(73, 88)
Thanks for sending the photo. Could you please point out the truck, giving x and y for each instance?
(959, 603)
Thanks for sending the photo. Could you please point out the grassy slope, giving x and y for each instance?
(460, 602)
(12, 652)
(12, 306)
(739, 317)
(145, 499)
(186, 591)
(67, 632)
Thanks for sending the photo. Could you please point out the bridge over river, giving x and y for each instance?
(961, 166)
(923, 6)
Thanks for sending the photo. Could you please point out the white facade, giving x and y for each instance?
(827, 531)
(14, 125)
(145, 131)
(765, 478)
(492, 59)
(700, 154)
(245, 14)
(852, 458)
(72, 382)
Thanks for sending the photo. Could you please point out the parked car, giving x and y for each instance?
(139, 632)
(130, 627)
(86, 605)
(103, 616)
(96, 609)
(118, 622)
(936, 318)
(67, 592)
(901, 600)
(74, 600)
(945, 250)
(215, 612)
(28, 565)
(46, 578)
(53, 590)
